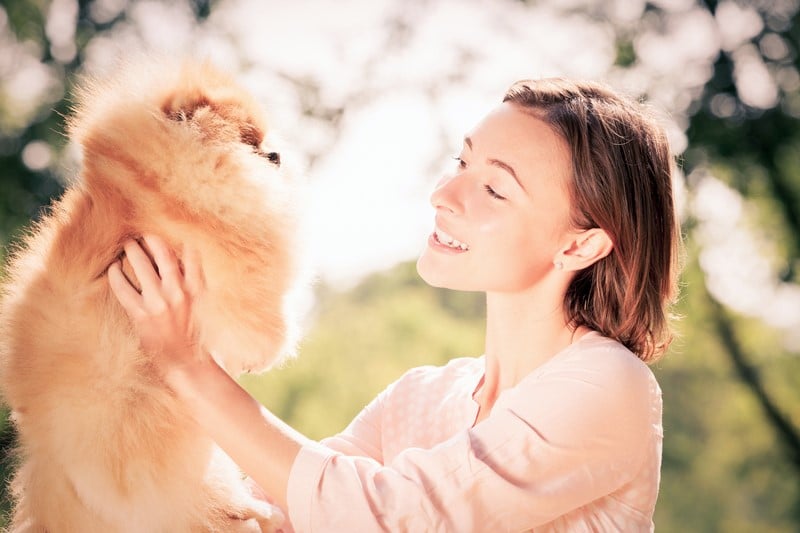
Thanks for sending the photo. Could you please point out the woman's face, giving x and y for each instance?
(503, 214)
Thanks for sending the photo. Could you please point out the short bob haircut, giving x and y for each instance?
(621, 183)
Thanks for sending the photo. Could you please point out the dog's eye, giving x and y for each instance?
(274, 158)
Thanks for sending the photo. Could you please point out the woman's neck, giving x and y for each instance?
(522, 333)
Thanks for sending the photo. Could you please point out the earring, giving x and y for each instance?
(559, 265)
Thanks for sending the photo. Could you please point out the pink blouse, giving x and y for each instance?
(575, 446)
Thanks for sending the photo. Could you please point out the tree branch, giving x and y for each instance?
(786, 432)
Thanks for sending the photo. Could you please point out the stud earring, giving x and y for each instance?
(559, 265)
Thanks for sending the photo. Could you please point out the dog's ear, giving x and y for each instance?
(183, 107)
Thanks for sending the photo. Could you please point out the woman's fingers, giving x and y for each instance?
(142, 267)
(126, 294)
(161, 276)
(162, 312)
(168, 267)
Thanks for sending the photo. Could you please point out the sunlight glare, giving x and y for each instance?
(60, 29)
(754, 83)
(737, 23)
(740, 266)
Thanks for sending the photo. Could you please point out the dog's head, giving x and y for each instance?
(187, 153)
(183, 136)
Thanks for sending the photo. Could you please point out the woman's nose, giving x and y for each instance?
(447, 194)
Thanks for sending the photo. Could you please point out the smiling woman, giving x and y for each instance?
(560, 210)
(512, 221)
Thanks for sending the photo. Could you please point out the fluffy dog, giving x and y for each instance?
(180, 151)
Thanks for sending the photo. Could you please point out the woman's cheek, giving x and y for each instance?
(494, 225)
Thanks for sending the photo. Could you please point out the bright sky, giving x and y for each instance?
(406, 80)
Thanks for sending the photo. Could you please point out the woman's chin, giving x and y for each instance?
(436, 277)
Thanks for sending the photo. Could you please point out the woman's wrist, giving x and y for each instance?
(195, 374)
(240, 425)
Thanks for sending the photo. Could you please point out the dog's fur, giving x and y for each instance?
(179, 151)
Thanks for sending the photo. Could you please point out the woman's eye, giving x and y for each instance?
(492, 193)
(461, 163)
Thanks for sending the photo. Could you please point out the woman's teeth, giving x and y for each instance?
(447, 240)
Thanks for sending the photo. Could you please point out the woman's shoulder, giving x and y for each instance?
(600, 366)
(594, 351)
(596, 382)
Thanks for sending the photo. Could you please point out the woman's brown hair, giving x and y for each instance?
(621, 183)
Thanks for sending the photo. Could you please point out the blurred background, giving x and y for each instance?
(374, 96)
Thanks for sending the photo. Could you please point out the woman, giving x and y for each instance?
(560, 209)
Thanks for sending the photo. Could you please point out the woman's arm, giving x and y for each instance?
(261, 444)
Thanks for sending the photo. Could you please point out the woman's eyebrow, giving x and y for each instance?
(500, 164)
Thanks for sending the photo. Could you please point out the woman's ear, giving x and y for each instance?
(586, 248)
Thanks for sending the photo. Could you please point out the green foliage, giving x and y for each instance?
(7, 461)
(626, 54)
(27, 19)
(724, 466)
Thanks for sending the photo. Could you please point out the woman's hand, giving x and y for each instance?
(162, 313)
(162, 317)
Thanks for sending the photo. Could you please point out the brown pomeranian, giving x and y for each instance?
(183, 152)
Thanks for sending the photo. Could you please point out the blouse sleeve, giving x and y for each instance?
(362, 437)
(560, 440)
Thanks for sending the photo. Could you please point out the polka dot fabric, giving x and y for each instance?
(429, 405)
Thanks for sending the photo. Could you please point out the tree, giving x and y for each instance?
(756, 142)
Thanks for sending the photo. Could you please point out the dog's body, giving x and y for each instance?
(104, 446)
